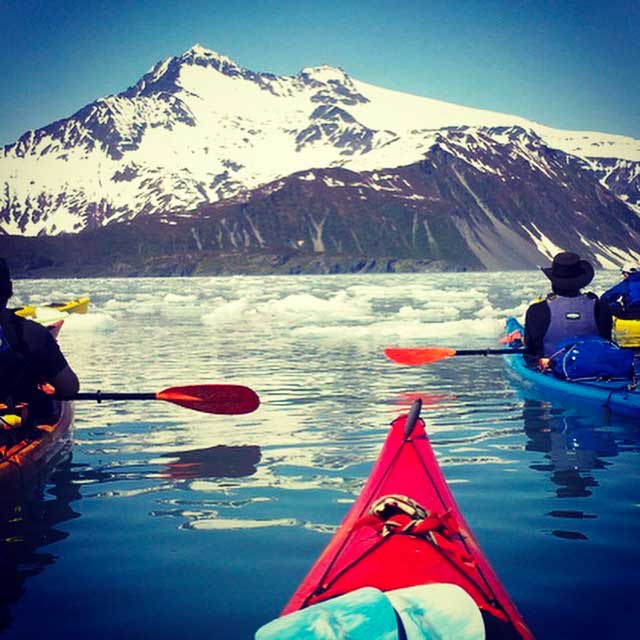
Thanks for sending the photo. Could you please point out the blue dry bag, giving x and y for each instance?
(590, 358)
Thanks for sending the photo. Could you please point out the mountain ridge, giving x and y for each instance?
(199, 133)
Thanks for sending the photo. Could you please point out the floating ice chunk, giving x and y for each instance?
(89, 322)
(182, 299)
(228, 312)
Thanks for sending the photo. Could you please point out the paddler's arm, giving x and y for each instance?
(66, 382)
(536, 324)
(604, 319)
(49, 362)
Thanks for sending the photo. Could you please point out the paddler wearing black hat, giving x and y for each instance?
(566, 312)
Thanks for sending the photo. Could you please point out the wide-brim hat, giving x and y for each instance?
(568, 271)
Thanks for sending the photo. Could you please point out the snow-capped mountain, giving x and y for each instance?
(199, 136)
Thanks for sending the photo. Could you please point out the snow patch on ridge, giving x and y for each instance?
(325, 73)
(544, 245)
(609, 256)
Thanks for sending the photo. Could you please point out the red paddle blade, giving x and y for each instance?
(227, 399)
(418, 356)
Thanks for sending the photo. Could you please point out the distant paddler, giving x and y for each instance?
(623, 301)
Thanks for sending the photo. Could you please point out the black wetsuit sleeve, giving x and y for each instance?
(604, 319)
(536, 323)
(46, 358)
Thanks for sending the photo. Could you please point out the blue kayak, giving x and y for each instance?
(619, 397)
(610, 396)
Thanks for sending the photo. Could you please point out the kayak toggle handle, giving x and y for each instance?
(412, 417)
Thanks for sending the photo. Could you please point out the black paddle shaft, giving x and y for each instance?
(99, 396)
(489, 352)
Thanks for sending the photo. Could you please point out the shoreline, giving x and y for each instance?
(185, 265)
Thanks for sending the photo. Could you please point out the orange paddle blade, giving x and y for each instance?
(418, 356)
(226, 399)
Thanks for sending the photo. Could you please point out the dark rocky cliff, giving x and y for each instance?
(489, 207)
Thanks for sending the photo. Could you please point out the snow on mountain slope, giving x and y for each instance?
(198, 129)
(414, 113)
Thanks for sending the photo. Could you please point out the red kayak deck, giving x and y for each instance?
(403, 543)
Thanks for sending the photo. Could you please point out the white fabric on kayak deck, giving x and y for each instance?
(437, 612)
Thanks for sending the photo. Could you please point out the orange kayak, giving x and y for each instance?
(26, 453)
(25, 459)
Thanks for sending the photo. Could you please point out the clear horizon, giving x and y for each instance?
(572, 66)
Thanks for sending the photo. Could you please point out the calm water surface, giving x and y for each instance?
(164, 522)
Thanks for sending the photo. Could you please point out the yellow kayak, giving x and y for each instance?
(626, 332)
(80, 305)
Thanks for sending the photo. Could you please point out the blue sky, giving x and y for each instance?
(571, 65)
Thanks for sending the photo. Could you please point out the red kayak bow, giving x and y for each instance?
(405, 529)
